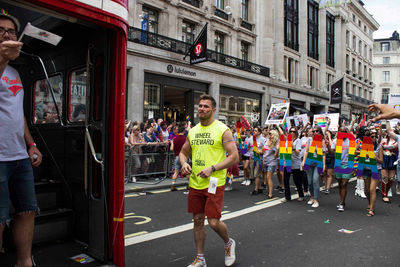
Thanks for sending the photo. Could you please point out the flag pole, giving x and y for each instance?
(195, 41)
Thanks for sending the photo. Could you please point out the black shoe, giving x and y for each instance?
(269, 197)
(281, 191)
(255, 192)
(277, 187)
(260, 191)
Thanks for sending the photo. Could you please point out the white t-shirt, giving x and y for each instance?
(12, 141)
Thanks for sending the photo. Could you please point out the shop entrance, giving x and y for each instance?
(176, 103)
(171, 99)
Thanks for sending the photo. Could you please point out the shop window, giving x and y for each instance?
(151, 101)
(77, 96)
(222, 102)
(238, 106)
(43, 105)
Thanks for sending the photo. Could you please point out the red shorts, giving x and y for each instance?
(200, 201)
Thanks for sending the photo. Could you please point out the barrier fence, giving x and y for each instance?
(145, 161)
(150, 164)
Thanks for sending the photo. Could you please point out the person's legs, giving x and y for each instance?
(384, 184)
(367, 189)
(22, 194)
(372, 189)
(297, 177)
(199, 232)
(310, 172)
(220, 228)
(315, 182)
(246, 170)
(343, 190)
(304, 180)
(330, 173)
(286, 184)
(270, 183)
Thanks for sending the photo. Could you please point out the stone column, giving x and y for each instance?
(214, 92)
(340, 47)
(135, 90)
(322, 49)
(303, 34)
(279, 38)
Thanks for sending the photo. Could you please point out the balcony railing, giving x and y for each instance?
(220, 13)
(246, 25)
(195, 3)
(360, 99)
(155, 40)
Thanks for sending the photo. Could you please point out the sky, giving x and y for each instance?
(386, 13)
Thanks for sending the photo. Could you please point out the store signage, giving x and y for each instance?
(180, 70)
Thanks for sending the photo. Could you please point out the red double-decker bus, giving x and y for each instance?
(77, 122)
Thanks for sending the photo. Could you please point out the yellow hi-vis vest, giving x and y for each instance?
(207, 150)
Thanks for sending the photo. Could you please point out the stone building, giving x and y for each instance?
(260, 53)
(386, 71)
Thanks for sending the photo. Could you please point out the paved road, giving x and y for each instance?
(268, 233)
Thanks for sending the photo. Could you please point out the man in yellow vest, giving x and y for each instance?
(207, 143)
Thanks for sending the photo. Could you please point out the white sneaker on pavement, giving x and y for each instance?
(244, 182)
(315, 204)
(340, 207)
(248, 182)
(310, 202)
(230, 255)
(300, 199)
(390, 193)
(198, 263)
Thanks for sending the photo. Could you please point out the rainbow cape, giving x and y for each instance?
(256, 153)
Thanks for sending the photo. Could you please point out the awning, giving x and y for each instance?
(301, 109)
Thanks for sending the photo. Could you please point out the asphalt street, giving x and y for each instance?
(268, 233)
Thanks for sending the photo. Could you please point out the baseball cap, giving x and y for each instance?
(4, 14)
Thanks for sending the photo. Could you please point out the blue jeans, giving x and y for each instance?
(16, 183)
(313, 181)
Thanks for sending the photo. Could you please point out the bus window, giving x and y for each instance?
(43, 105)
(77, 96)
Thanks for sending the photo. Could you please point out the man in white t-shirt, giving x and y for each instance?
(16, 161)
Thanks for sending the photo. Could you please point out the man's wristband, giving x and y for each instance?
(31, 145)
(213, 168)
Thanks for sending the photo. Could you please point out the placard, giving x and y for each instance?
(394, 102)
(277, 113)
(321, 120)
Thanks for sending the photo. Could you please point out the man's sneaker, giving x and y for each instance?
(248, 182)
(228, 188)
(230, 255)
(390, 193)
(310, 202)
(300, 199)
(340, 207)
(327, 191)
(244, 182)
(284, 200)
(277, 187)
(198, 263)
(281, 190)
(307, 194)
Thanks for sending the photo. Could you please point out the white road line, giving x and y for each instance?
(185, 227)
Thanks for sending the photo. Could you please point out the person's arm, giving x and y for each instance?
(296, 149)
(183, 158)
(232, 159)
(386, 112)
(390, 130)
(172, 145)
(305, 127)
(324, 162)
(327, 126)
(379, 159)
(305, 155)
(32, 149)
(280, 130)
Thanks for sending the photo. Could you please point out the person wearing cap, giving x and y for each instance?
(18, 152)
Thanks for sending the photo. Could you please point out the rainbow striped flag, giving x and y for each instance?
(242, 149)
(256, 152)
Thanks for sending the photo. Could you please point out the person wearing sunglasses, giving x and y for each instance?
(270, 159)
(295, 168)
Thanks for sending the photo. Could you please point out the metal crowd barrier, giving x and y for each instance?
(152, 166)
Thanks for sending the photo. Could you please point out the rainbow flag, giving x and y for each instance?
(321, 122)
(242, 149)
(256, 152)
(285, 153)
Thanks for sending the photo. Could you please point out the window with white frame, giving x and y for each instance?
(386, 60)
(220, 4)
(219, 42)
(385, 76)
(385, 95)
(245, 10)
(188, 31)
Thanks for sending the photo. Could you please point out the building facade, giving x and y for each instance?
(386, 71)
(260, 53)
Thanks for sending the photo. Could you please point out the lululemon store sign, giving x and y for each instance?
(180, 70)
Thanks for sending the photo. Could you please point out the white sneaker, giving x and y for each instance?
(397, 189)
(310, 202)
(198, 263)
(228, 188)
(390, 192)
(284, 200)
(315, 204)
(244, 182)
(340, 207)
(248, 182)
(300, 199)
(230, 255)
(307, 194)
(362, 194)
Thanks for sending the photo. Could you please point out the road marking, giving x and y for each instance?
(127, 214)
(145, 219)
(136, 234)
(265, 201)
(132, 195)
(189, 226)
